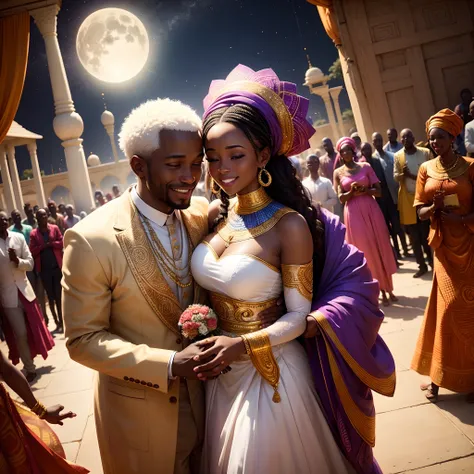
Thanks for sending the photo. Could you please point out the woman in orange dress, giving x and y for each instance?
(444, 194)
(27, 444)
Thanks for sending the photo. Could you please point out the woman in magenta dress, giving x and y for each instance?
(357, 186)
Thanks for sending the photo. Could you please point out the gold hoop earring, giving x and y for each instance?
(213, 188)
(268, 178)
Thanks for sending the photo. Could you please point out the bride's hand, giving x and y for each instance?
(225, 351)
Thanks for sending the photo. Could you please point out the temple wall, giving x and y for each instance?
(404, 60)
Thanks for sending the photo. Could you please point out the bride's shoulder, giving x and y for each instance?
(291, 224)
(296, 238)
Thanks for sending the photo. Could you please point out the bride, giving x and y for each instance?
(263, 415)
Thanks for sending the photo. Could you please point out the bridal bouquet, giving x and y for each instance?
(198, 322)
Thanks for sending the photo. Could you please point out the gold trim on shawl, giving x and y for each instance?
(263, 359)
(384, 386)
(299, 277)
(238, 317)
(362, 423)
(274, 101)
(435, 170)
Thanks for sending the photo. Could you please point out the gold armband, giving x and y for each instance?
(257, 345)
(39, 409)
(299, 277)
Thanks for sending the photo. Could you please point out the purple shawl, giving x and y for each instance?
(349, 359)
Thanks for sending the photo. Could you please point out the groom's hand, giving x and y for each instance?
(268, 316)
(312, 327)
(184, 363)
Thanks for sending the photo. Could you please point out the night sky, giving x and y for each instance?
(191, 43)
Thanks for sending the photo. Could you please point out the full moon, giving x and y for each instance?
(112, 45)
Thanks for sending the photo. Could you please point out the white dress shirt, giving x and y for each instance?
(469, 136)
(413, 163)
(14, 278)
(321, 192)
(160, 223)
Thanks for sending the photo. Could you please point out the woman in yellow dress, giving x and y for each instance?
(444, 194)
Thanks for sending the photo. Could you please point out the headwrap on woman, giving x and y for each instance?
(447, 120)
(284, 110)
(344, 141)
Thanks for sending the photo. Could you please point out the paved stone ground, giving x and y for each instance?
(413, 435)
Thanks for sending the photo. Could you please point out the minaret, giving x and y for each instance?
(108, 121)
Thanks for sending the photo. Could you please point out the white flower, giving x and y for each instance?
(203, 330)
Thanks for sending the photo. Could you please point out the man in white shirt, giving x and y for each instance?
(407, 163)
(15, 261)
(469, 133)
(71, 219)
(126, 282)
(320, 188)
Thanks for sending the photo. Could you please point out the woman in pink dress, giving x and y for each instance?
(357, 186)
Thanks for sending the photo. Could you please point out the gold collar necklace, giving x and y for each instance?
(441, 167)
(252, 202)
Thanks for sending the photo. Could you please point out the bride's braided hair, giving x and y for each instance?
(286, 188)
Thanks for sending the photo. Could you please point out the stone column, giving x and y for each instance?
(324, 94)
(15, 178)
(67, 124)
(7, 183)
(110, 132)
(36, 173)
(335, 91)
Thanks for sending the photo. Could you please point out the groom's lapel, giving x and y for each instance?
(139, 254)
(197, 227)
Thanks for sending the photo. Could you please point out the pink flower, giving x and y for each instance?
(185, 317)
(212, 324)
(204, 310)
(191, 325)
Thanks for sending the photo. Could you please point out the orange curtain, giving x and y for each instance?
(328, 18)
(14, 43)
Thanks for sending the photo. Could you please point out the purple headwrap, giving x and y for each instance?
(342, 142)
(283, 109)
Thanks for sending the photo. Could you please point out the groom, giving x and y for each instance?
(126, 282)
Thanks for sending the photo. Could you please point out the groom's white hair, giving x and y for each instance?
(140, 134)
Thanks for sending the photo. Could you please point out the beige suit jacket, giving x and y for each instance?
(121, 320)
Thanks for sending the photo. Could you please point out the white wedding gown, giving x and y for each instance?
(246, 432)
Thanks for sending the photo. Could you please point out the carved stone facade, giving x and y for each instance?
(402, 61)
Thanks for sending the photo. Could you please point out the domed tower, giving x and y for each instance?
(93, 160)
(108, 121)
(317, 83)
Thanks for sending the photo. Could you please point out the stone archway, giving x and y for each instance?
(108, 182)
(61, 195)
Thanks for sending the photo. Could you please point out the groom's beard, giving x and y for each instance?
(164, 192)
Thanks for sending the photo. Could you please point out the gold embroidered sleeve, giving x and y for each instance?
(299, 277)
(258, 347)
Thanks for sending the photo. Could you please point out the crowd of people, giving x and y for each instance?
(268, 251)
